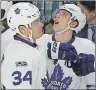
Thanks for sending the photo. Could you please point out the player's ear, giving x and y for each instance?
(73, 24)
(93, 13)
(23, 30)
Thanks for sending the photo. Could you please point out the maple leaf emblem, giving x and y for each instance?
(56, 81)
(17, 11)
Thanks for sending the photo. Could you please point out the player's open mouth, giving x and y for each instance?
(56, 22)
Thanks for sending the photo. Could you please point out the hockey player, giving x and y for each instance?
(23, 64)
(6, 32)
(65, 72)
(6, 36)
(5, 5)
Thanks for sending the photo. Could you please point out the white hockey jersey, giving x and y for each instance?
(6, 37)
(60, 75)
(23, 67)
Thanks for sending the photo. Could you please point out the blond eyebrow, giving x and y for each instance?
(66, 11)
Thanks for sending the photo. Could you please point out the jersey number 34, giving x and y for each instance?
(18, 78)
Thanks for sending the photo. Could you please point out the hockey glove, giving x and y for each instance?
(63, 51)
(84, 64)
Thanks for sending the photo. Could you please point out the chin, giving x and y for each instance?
(39, 36)
(54, 28)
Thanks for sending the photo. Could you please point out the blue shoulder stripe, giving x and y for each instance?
(6, 28)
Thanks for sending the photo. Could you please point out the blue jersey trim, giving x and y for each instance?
(6, 28)
(70, 42)
(23, 40)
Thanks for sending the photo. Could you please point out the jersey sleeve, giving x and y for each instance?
(90, 78)
(88, 47)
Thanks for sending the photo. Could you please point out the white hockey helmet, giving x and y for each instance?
(77, 14)
(5, 5)
(22, 13)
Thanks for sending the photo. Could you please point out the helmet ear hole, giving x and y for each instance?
(74, 24)
(22, 29)
(77, 23)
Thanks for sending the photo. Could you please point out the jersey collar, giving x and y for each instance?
(70, 42)
(16, 37)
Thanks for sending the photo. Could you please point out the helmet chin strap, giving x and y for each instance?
(62, 30)
(30, 36)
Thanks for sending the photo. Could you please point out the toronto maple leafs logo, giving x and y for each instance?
(17, 11)
(56, 81)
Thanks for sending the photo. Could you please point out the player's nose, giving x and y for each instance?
(41, 24)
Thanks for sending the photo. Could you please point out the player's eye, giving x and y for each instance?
(64, 13)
